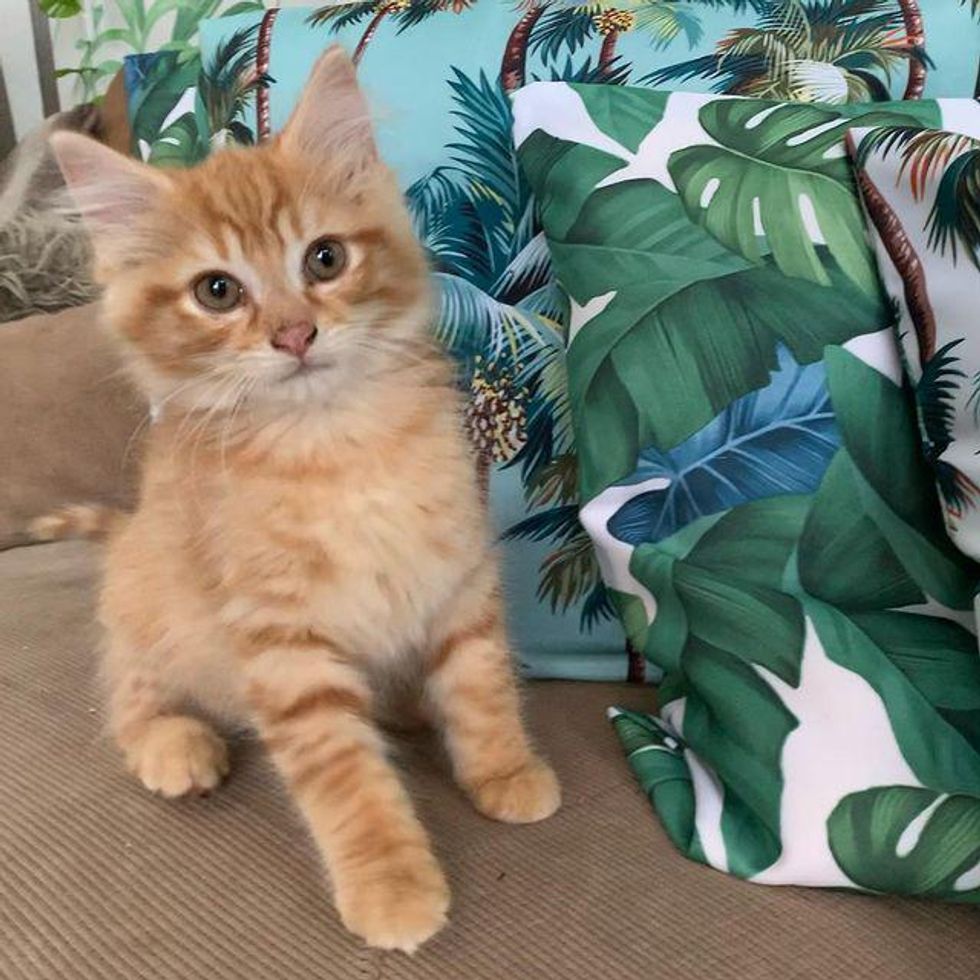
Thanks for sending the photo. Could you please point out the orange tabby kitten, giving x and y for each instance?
(310, 534)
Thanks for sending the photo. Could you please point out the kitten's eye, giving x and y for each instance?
(218, 292)
(325, 260)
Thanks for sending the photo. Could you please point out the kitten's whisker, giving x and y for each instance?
(407, 351)
(243, 391)
(144, 424)
(147, 418)
(202, 428)
(180, 389)
(190, 414)
(214, 391)
(119, 372)
(200, 433)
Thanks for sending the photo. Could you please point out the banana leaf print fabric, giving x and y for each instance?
(752, 479)
(921, 193)
(441, 72)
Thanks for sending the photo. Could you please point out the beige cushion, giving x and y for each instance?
(67, 416)
(101, 881)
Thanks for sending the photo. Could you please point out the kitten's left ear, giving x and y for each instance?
(332, 117)
(109, 189)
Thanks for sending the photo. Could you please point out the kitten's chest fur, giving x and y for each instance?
(389, 544)
(367, 538)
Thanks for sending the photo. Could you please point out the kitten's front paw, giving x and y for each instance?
(398, 907)
(530, 794)
(178, 756)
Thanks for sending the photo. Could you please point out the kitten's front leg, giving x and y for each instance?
(313, 712)
(172, 754)
(472, 687)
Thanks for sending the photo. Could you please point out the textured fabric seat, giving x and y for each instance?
(99, 880)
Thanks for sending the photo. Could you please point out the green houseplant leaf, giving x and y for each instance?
(844, 558)
(719, 580)
(557, 171)
(190, 13)
(632, 615)
(60, 8)
(777, 162)
(909, 841)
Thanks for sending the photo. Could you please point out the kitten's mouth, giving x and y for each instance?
(304, 369)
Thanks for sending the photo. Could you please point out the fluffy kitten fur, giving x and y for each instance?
(310, 534)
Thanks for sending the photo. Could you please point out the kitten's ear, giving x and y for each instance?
(332, 117)
(109, 190)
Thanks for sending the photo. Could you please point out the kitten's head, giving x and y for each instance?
(288, 271)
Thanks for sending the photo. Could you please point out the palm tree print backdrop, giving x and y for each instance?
(443, 70)
(921, 190)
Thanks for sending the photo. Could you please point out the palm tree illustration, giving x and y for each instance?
(952, 163)
(905, 259)
(570, 24)
(935, 396)
(554, 26)
(263, 118)
(500, 316)
(954, 218)
(915, 38)
(896, 242)
(496, 416)
(407, 13)
(819, 51)
(513, 67)
(610, 24)
(500, 311)
(228, 82)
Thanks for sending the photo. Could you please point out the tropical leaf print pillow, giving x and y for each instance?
(751, 477)
(440, 74)
(921, 193)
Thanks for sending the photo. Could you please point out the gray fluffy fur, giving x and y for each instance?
(45, 256)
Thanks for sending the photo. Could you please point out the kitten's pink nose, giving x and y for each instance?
(295, 338)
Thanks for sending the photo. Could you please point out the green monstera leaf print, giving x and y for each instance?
(910, 841)
(777, 183)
